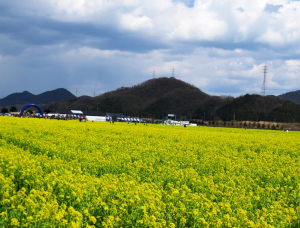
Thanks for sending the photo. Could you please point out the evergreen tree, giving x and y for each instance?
(13, 109)
(4, 110)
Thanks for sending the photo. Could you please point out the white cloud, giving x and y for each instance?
(220, 46)
(295, 63)
(135, 23)
(271, 37)
(172, 20)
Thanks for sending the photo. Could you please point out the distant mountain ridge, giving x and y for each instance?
(158, 97)
(43, 98)
(293, 96)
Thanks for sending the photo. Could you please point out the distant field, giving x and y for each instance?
(96, 174)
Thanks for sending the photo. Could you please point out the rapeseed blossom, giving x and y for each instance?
(73, 174)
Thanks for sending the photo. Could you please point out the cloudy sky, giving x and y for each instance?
(95, 46)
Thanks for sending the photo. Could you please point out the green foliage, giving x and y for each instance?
(287, 112)
(47, 110)
(182, 118)
(13, 109)
(4, 110)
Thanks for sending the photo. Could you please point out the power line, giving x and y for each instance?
(264, 85)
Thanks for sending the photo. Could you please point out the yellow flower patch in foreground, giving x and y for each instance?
(73, 174)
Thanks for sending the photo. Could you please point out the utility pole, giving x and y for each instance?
(264, 85)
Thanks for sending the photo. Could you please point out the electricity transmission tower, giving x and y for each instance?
(264, 85)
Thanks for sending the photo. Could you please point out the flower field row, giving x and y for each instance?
(97, 174)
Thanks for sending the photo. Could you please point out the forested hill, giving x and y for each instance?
(255, 107)
(153, 98)
(156, 98)
(291, 96)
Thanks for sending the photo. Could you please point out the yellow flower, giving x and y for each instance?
(172, 225)
(93, 219)
(15, 222)
(86, 212)
(3, 214)
(29, 218)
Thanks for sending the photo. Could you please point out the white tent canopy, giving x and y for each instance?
(96, 118)
(131, 119)
(78, 112)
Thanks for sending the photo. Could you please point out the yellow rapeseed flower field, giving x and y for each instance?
(96, 174)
